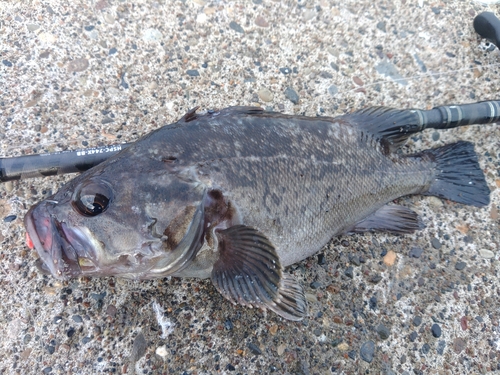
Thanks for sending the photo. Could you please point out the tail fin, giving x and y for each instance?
(459, 177)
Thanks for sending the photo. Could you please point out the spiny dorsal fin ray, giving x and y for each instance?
(248, 272)
(390, 126)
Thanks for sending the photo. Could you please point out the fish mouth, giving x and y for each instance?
(64, 251)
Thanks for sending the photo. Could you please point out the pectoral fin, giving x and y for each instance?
(390, 218)
(249, 272)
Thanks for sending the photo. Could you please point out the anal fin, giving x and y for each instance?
(390, 218)
(248, 272)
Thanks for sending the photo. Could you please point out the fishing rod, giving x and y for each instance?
(55, 163)
(404, 122)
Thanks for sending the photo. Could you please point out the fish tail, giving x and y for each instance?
(458, 175)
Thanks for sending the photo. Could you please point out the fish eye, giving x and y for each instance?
(92, 198)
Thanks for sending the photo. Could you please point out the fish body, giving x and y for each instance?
(236, 195)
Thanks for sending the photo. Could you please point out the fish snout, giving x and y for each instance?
(44, 234)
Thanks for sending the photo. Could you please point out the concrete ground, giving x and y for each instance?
(85, 73)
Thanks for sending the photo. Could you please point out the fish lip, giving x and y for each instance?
(52, 244)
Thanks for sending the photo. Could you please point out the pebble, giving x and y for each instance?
(265, 95)
(9, 218)
(459, 266)
(383, 332)
(349, 272)
(436, 330)
(440, 347)
(285, 71)
(109, 18)
(435, 202)
(236, 27)
(494, 212)
(152, 35)
(111, 310)
(47, 370)
(435, 243)
(281, 349)
(458, 345)
(355, 260)
(463, 323)
(486, 254)
(112, 51)
(57, 319)
(292, 95)
(138, 348)
(98, 296)
(273, 329)
(50, 349)
(372, 303)
(201, 18)
(315, 285)
(426, 348)
(381, 26)
(193, 73)
(358, 81)
(228, 324)
(367, 351)
(416, 252)
(309, 14)
(413, 336)
(9, 186)
(352, 354)
(343, 346)
(387, 69)
(333, 90)
(375, 279)
(254, 348)
(86, 339)
(321, 259)
(32, 26)
(417, 321)
(77, 65)
(70, 332)
(389, 258)
(261, 21)
(162, 351)
(435, 136)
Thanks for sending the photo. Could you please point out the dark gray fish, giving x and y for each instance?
(239, 194)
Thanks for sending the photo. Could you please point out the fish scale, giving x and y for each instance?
(310, 197)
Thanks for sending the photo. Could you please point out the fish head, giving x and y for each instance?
(139, 224)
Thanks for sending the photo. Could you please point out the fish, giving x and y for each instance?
(237, 195)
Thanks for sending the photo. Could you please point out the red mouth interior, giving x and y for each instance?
(29, 242)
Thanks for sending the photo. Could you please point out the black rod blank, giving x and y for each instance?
(50, 164)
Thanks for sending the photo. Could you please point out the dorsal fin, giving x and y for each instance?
(392, 127)
(190, 115)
